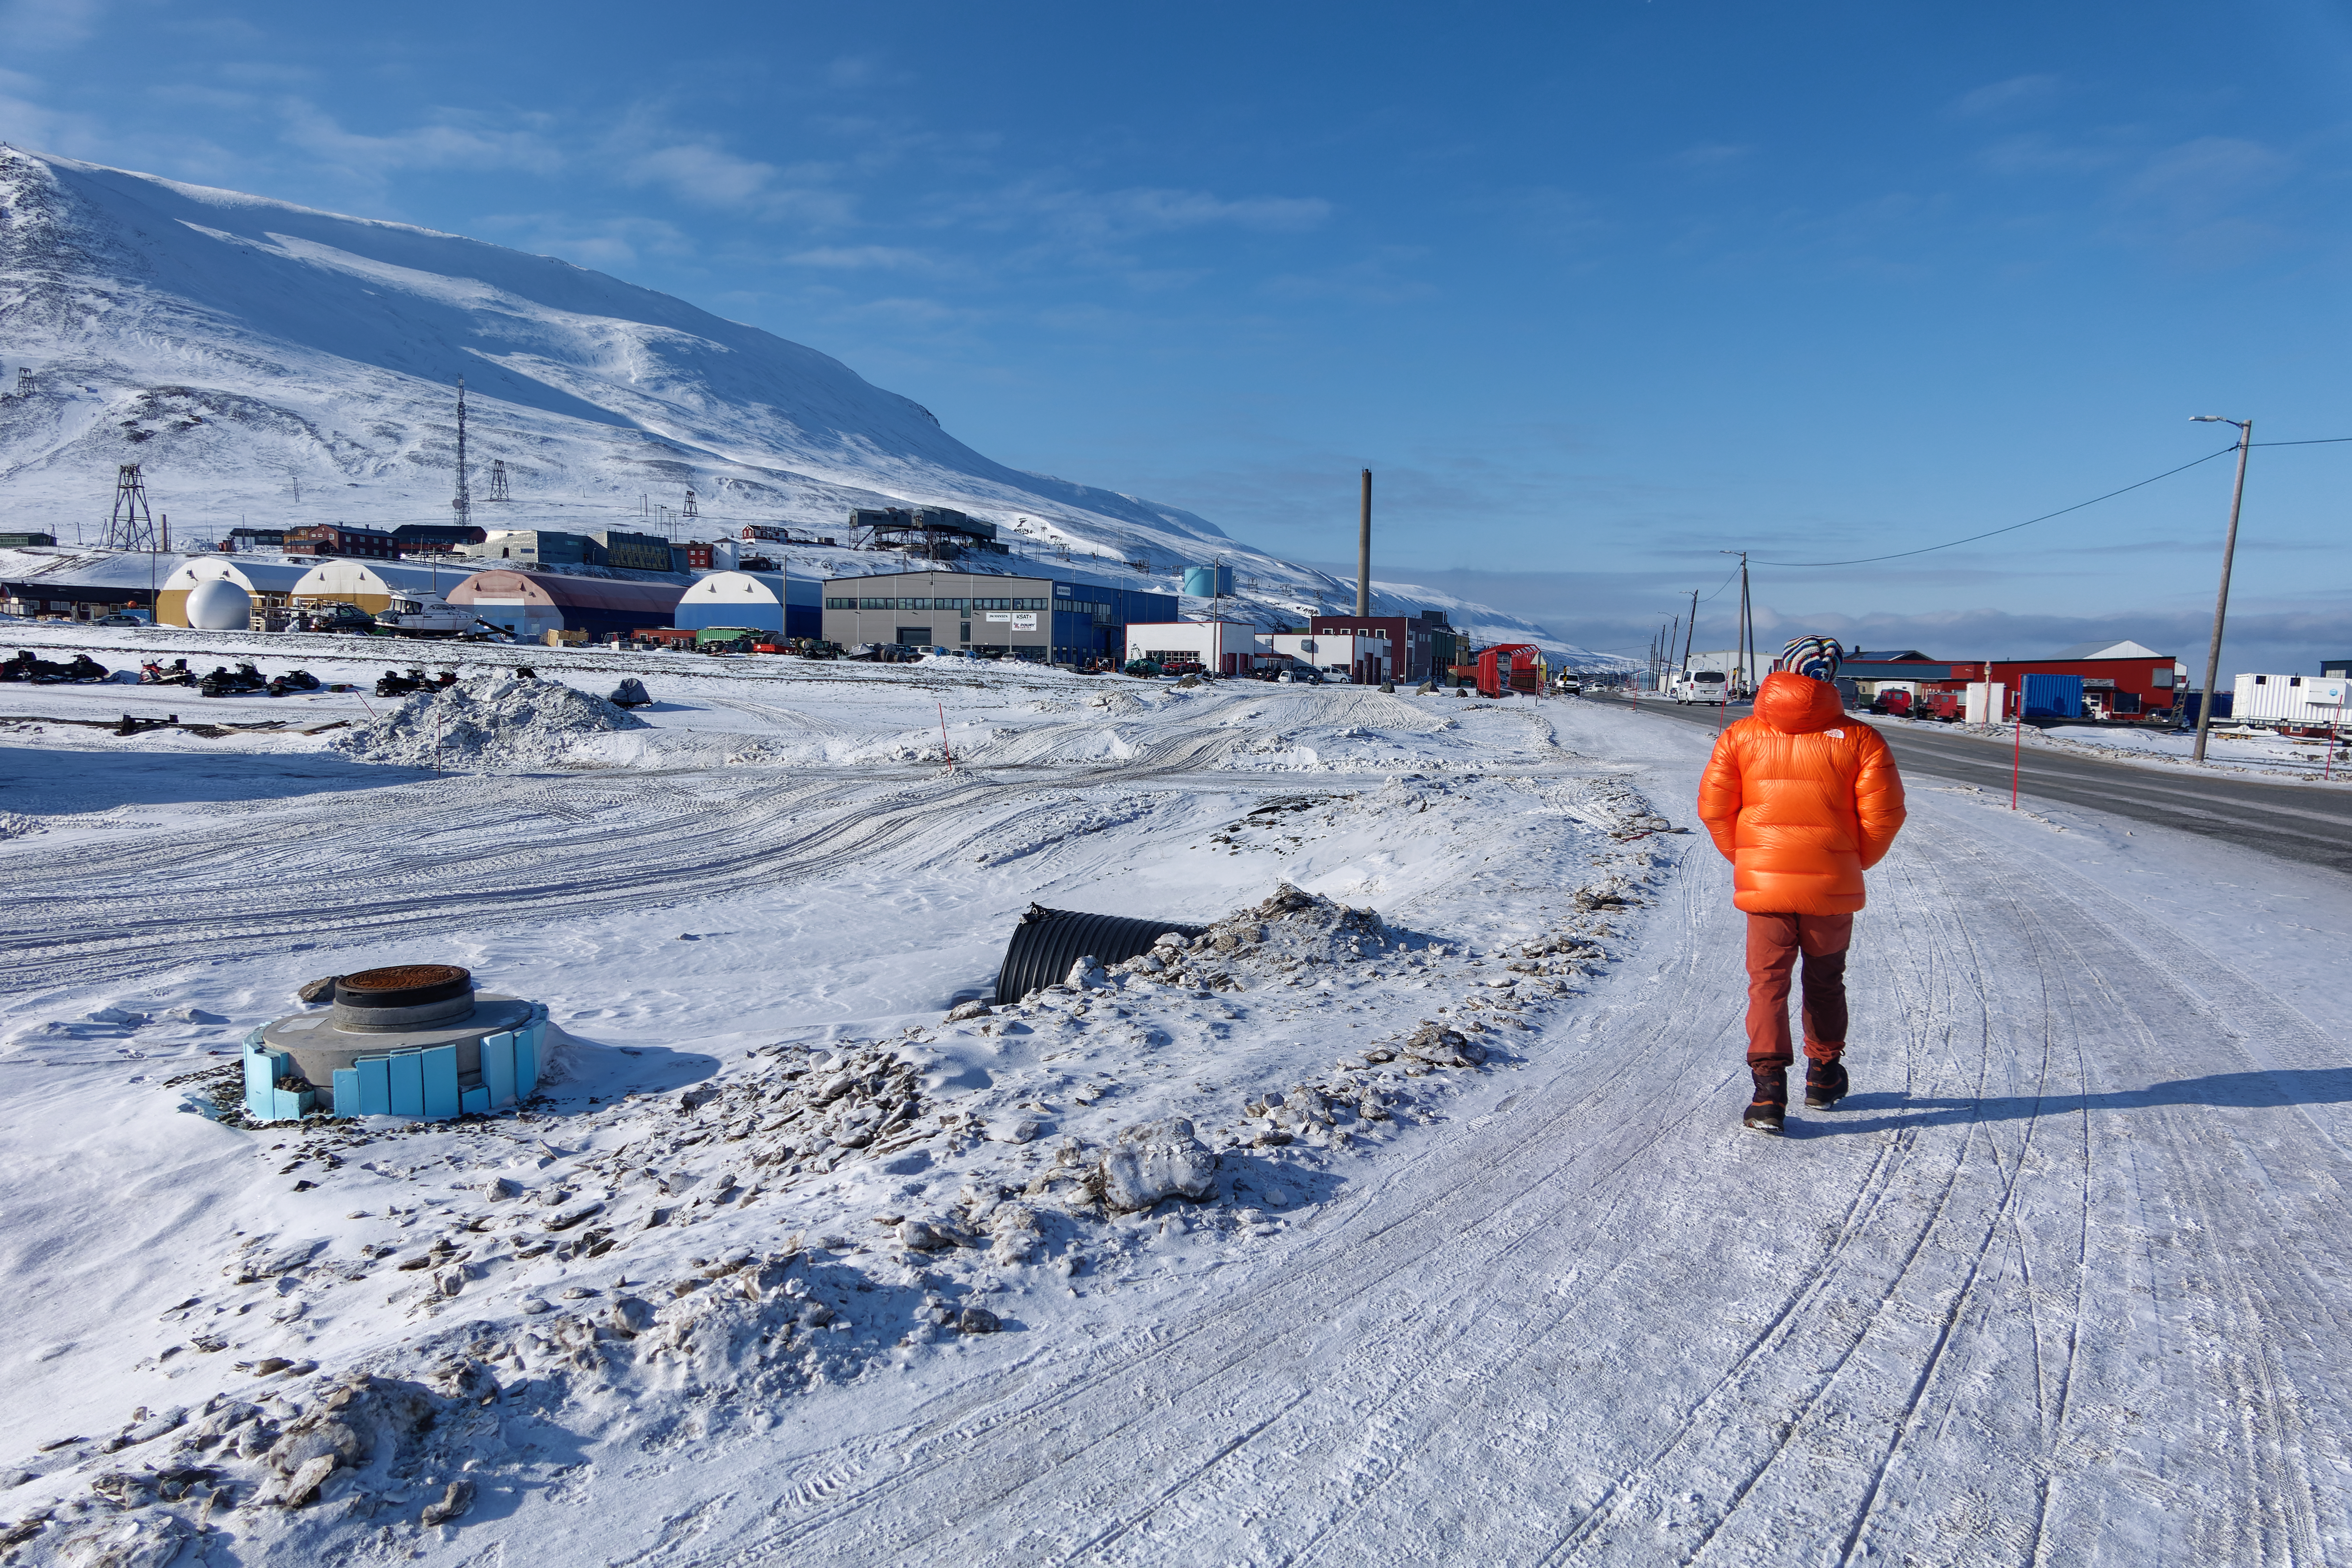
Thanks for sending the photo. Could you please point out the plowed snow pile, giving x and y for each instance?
(488, 721)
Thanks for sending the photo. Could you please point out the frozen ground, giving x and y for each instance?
(2063, 1282)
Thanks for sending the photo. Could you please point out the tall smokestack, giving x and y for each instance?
(1364, 549)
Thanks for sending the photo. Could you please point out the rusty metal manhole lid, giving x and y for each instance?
(405, 977)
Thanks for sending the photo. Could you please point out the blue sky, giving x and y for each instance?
(1599, 290)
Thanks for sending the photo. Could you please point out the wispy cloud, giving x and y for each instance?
(1109, 216)
(455, 140)
(2015, 95)
(864, 258)
(41, 25)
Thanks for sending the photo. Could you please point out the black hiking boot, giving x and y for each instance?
(1770, 1108)
(1825, 1084)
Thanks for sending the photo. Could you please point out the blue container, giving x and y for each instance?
(2053, 695)
(2192, 701)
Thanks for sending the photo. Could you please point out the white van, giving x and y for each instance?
(1706, 686)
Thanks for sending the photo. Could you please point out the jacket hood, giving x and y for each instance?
(1797, 704)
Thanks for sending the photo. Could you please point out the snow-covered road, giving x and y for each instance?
(2061, 1282)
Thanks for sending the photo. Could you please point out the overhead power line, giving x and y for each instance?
(2029, 522)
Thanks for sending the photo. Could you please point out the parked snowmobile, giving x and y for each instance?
(395, 684)
(293, 680)
(29, 665)
(242, 681)
(176, 673)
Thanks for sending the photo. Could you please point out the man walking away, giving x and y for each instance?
(1801, 800)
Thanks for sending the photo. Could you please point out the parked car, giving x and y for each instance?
(1702, 686)
(123, 618)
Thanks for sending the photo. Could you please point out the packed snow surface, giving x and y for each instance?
(1400, 1215)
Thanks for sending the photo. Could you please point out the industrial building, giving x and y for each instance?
(1227, 647)
(341, 539)
(1361, 658)
(528, 547)
(84, 587)
(436, 538)
(1418, 647)
(1050, 620)
(937, 532)
(757, 601)
(531, 603)
(631, 551)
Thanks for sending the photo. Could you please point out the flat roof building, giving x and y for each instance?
(1051, 620)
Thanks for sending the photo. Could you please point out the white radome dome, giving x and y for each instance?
(219, 605)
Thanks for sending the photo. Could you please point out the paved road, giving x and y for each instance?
(2294, 822)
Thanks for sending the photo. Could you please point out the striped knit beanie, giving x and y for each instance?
(1816, 656)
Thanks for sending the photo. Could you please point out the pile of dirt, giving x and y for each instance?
(488, 721)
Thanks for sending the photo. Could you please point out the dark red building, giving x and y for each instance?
(1419, 644)
(339, 539)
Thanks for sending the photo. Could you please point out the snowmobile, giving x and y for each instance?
(293, 680)
(242, 681)
(29, 665)
(395, 684)
(176, 673)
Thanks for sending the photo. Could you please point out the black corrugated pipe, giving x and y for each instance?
(1047, 941)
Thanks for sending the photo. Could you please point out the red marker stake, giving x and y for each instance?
(2017, 753)
(943, 737)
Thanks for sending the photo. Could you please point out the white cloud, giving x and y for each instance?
(456, 141)
(1110, 216)
(864, 258)
(50, 23)
(2017, 95)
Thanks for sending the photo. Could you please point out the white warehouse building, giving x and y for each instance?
(1228, 647)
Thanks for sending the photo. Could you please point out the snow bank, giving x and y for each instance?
(486, 722)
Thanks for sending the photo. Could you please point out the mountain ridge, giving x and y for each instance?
(279, 362)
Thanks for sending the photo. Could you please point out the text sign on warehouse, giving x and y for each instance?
(1021, 620)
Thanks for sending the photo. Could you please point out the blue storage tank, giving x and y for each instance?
(1208, 581)
(2053, 695)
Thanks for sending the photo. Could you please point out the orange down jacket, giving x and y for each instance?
(1801, 800)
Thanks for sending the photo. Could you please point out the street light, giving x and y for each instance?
(2229, 552)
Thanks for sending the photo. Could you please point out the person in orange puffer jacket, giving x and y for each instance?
(1801, 800)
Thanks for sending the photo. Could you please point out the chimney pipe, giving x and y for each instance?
(1364, 549)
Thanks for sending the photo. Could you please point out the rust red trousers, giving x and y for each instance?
(1774, 942)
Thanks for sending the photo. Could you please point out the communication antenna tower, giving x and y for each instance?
(129, 527)
(498, 479)
(463, 504)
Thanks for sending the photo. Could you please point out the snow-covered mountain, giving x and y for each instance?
(277, 364)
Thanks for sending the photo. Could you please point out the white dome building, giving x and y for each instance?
(752, 600)
(264, 582)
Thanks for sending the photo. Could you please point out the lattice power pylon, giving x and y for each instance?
(498, 479)
(131, 527)
(693, 513)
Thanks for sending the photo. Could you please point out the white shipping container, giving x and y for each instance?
(1986, 702)
(2290, 700)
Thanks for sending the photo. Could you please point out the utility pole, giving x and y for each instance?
(463, 504)
(1364, 549)
(2222, 600)
(1743, 635)
(1690, 631)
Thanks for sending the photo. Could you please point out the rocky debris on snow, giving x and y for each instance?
(491, 720)
(1157, 1160)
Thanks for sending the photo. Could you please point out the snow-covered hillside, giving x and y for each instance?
(277, 364)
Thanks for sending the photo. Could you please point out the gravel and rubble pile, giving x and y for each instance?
(488, 720)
